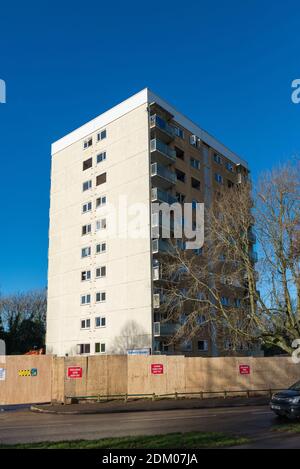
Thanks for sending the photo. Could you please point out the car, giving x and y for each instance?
(287, 403)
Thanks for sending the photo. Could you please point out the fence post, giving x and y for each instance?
(126, 397)
(225, 394)
(176, 395)
(153, 396)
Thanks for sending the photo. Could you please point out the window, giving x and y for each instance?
(101, 247)
(195, 163)
(87, 207)
(179, 153)
(83, 348)
(178, 132)
(100, 321)
(225, 301)
(100, 296)
(85, 324)
(218, 178)
(86, 185)
(86, 299)
(101, 135)
(101, 157)
(237, 302)
(230, 184)
(85, 275)
(101, 224)
(101, 272)
(217, 158)
(88, 142)
(101, 179)
(85, 252)
(100, 201)
(229, 166)
(180, 197)
(195, 184)
(180, 175)
(86, 229)
(87, 164)
(100, 347)
(202, 345)
(186, 346)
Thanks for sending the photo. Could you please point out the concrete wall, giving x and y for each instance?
(127, 283)
(16, 389)
(111, 375)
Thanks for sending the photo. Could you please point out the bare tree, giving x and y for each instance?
(224, 290)
(23, 319)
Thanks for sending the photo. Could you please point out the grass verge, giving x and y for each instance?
(169, 441)
(292, 427)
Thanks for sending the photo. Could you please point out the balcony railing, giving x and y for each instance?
(162, 196)
(165, 329)
(163, 225)
(156, 300)
(161, 246)
(156, 272)
(162, 152)
(166, 177)
(165, 130)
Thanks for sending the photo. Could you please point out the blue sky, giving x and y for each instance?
(227, 65)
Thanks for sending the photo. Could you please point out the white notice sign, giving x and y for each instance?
(2, 374)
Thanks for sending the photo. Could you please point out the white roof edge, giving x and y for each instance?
(100, 121)
(142, 97)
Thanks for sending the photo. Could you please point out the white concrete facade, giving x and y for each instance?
(127, 285)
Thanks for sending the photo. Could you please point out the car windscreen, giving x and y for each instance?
(296, 386)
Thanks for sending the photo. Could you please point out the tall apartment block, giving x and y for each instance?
(102, 289)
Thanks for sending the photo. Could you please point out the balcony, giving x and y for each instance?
(161, 226)
(160, 246)
(162, 153)
(162, 177)
(156, 272)
(156, 300)
(162, 129)
(158, 195)
(165, 329)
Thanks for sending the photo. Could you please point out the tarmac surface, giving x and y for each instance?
(255, 422)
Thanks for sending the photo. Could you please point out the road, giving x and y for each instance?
(257, 422)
